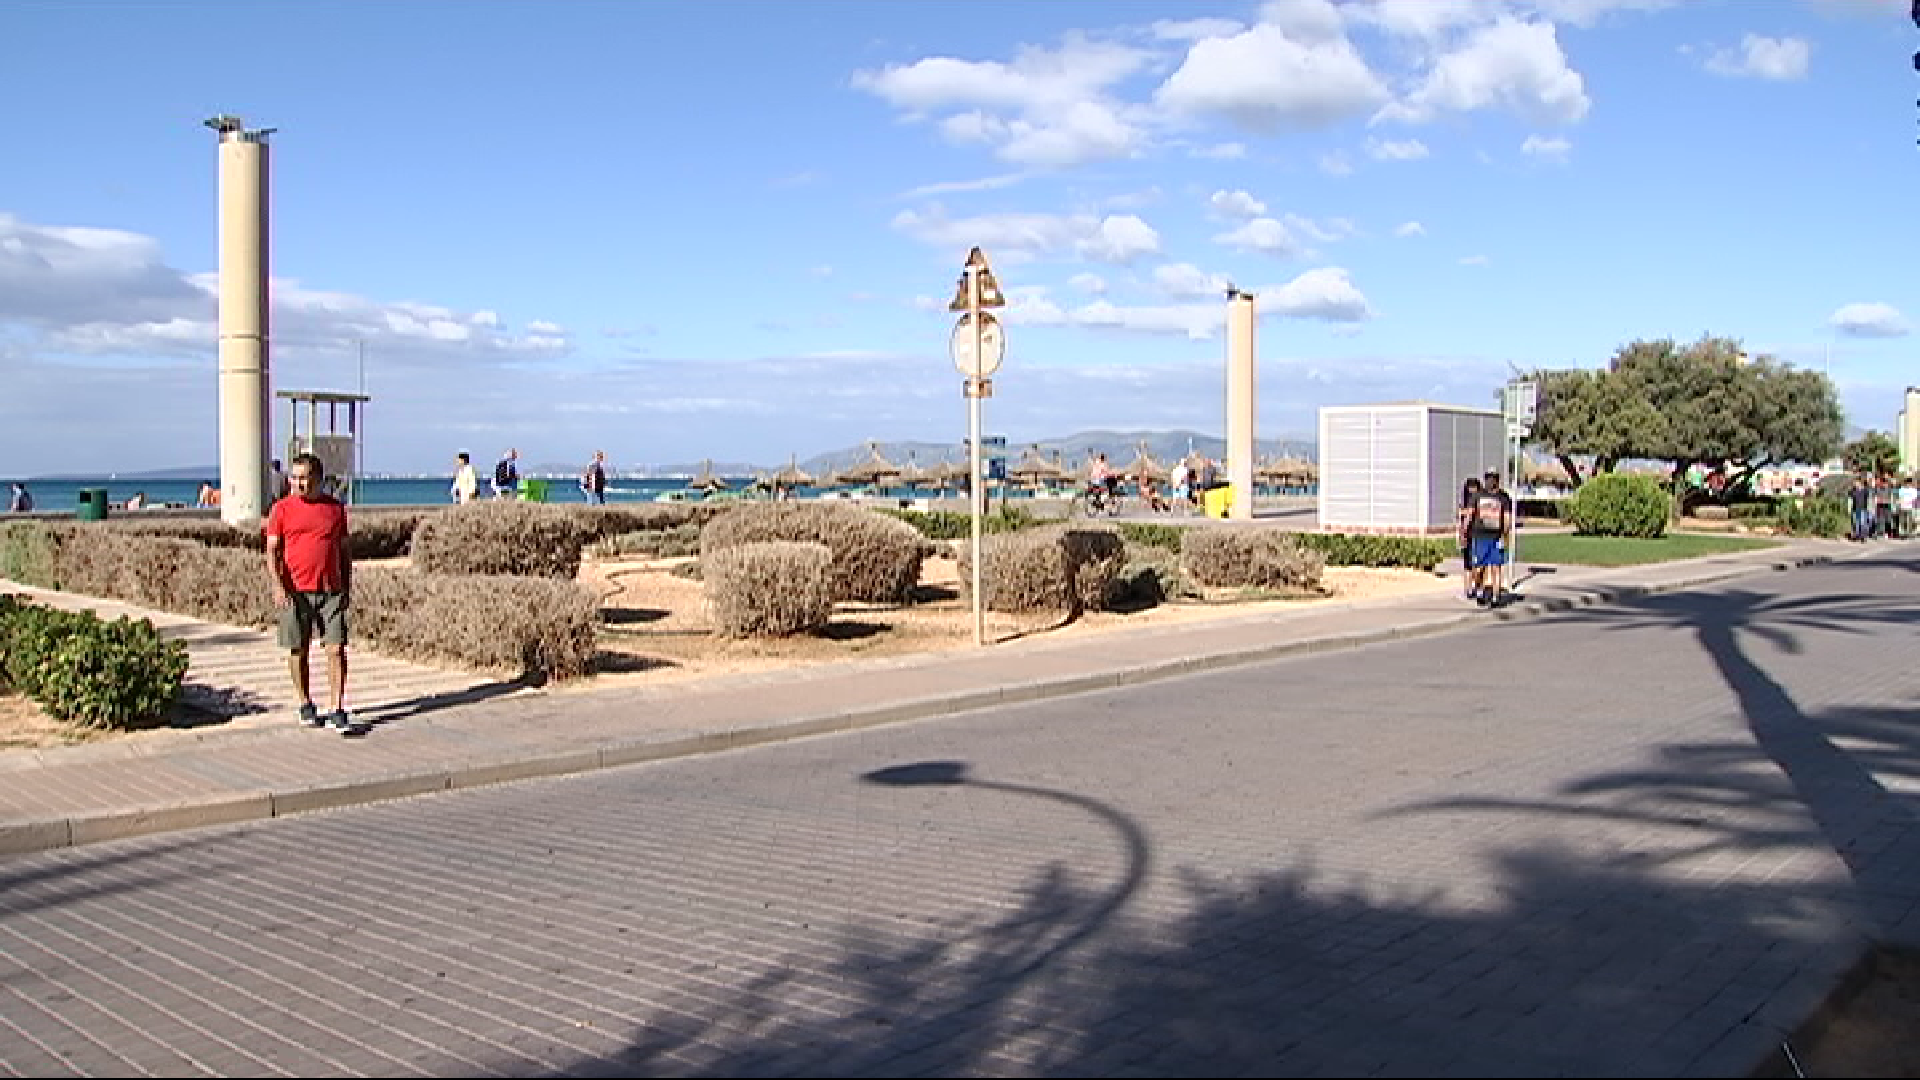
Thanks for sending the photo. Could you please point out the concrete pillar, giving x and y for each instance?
(1241, 402)
(1910, 430)
(244, 383)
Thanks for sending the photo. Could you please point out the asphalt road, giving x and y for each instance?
(1624, 840)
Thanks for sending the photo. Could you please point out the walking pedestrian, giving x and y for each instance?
(22, 499)
(593, 481)
(466, 485)
(312, 572)
(1492, 517)
(1463, 528)
(506, 475)
(1860, 503)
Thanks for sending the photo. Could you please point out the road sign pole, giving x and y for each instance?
(976, 486)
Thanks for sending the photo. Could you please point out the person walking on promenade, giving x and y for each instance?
(466, 485)
(593, 482)
(1860, 502)
(312, 572)
(22, 499)
(1463, 527)
(1492, 517)
(1906, 503)
(506, 475)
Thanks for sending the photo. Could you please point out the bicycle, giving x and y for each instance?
(1096, 500)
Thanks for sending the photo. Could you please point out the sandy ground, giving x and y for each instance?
(657, 629)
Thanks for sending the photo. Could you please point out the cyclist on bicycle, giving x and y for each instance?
(1103, 485)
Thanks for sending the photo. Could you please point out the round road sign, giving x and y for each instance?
(993, 346)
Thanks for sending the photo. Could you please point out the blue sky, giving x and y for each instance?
(720, 229)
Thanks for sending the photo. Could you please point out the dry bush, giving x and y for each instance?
(683, 539)
(876, 559)
(775, 588)
(535, 629)
(499, 537)
(598, 522)
(1095, 554)
(1249, 556)
(372, 532)
(1019, 572)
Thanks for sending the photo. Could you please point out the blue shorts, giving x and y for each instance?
(1487, 550)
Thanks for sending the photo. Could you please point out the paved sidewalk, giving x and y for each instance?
(441, 730)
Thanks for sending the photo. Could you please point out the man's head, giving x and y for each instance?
(1491, 481)
(462, 455)
(305, 476)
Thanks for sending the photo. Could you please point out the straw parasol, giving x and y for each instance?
(1035, 471)
(793, 475)
(1281, 470)
(950, 473)
(871, 471)
(1143, 467)
(706, 480)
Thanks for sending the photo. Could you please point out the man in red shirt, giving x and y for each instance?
(312, 572)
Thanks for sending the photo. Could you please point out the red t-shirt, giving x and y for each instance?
(313, 537)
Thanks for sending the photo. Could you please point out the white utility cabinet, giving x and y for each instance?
(1396, 469)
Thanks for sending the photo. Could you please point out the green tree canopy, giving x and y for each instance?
(1873, 453)
(1707, 403)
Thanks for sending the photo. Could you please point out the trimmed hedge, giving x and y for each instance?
(876, 558)
(775, 588)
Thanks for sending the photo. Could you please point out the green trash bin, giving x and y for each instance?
(533, 489)
(93, 505)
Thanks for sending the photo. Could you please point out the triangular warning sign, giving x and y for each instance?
(990, 294)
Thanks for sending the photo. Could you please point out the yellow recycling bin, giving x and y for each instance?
(1217, 501)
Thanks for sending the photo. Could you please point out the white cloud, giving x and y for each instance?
(1335, 163)
(1092, 284)
(1226, 151)
(1117, 238)
(1410, 228)
(1762, 58)
(1185, 281)
(1327, 293)
(1589, 12)
(1193, 29)
(1396, 150)
(1428, 20)
(1869, 320)
(1552, 148)
(1236, 204)
(1049, 108)
(1509, 64)
(985, 183)
(1264, 235)
(1296, 71)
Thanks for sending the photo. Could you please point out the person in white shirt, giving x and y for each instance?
(1906, 504)
(466, 485)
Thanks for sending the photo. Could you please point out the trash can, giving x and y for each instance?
(533, 489)
(1218, 500)
(93, 505)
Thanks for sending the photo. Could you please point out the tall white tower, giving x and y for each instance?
(1241, 401)
(244, 382)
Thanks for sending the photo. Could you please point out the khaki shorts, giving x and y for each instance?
(304, 610)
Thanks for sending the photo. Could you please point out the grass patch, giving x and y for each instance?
(1566, 549)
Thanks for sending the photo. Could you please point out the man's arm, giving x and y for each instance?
(343, 550)
(277, 570)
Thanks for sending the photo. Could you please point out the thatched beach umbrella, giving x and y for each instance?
(793, 475)
(707, 480)
(1143, 467)
(871, 471)
(1036, 471)
(1287, 469)
(913, 476)
(950, 473)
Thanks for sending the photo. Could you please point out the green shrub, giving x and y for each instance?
(1345, 549)
(1153, 534)
(1150, 575)
(1814, 515)
(769, 589)
(953, 525)
(500, 537)
(1619, 504)
(1256, 556)
(90, 672)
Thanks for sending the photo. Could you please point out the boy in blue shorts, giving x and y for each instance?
(1492, 516)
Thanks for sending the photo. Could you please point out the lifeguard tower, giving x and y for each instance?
(337, 447)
